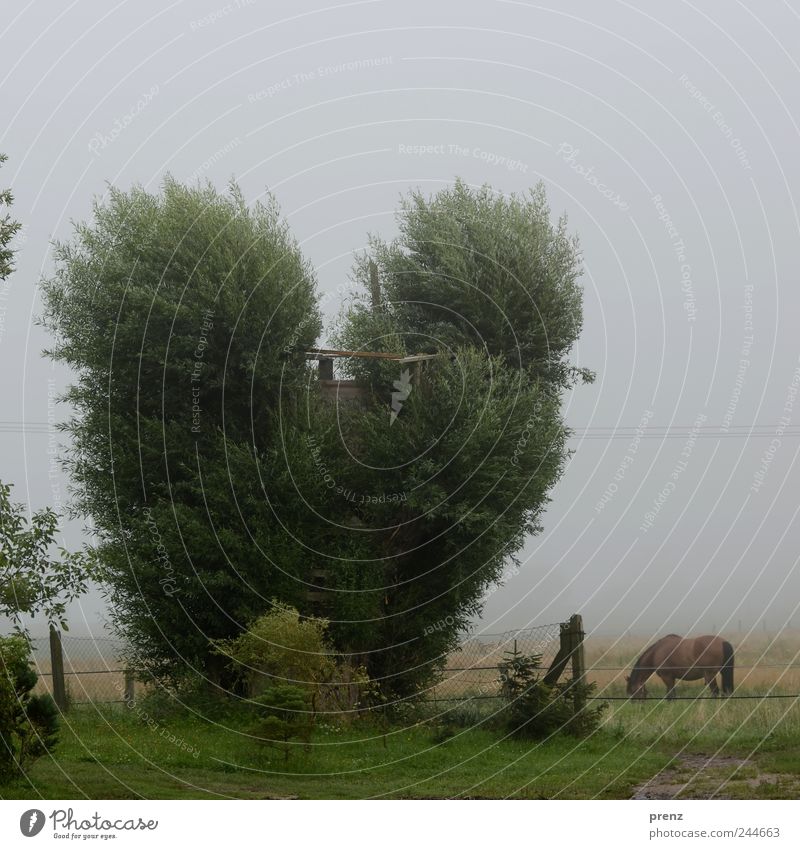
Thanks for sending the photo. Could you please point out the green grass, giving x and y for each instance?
(110, 753)
(726, 725)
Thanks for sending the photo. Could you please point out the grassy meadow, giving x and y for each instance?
(748, 748)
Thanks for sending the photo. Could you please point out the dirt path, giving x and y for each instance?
(716, 776)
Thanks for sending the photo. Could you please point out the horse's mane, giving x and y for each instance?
(637, 667)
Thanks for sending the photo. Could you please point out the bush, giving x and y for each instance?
(281, 650)
(538, 710)
(516, 672)
(28, 723)
(285, 713)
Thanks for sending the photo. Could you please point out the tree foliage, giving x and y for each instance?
(36, 576)
(176, 311)
(219, 477)
(472, 440)
(8, 229)
(28, 723)
(473, 267)
(284, 715)
(283, 649)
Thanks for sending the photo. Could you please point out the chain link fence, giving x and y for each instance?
(473, 670)
(93, 668)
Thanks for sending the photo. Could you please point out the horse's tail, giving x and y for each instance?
(727, 668)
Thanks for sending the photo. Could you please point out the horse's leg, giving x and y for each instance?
(711, 683)
(669, 683)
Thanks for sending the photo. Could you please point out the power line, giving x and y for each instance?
(630, 665)
(629, 699)
(695, 698)
(752, 431)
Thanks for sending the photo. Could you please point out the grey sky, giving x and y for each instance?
(667, 133)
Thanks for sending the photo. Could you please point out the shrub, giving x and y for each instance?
(28, 723)
(516, 672)
(281, 649)
(538, 710)
(285, 714)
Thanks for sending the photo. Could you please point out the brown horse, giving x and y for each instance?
(672, 658)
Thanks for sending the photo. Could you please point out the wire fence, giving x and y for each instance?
(768, 669)
(94, 669)
(473, 669)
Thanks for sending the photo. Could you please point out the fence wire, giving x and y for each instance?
(473, 669)
(93, 668)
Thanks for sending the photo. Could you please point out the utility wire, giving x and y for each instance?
(754, 431)
(629, 699)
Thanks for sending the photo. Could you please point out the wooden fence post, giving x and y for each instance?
(578, 657)
(570, 649)
(130, 684)
(57, 670)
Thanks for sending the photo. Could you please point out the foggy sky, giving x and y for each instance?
(668, 134)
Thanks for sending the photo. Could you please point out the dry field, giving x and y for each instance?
(764, 664)
(93, 668)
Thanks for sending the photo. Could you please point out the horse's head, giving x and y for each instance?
(635, 688)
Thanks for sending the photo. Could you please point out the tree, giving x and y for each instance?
(473, 440)
(219, 477)
(444, 497)
(473, 267)
(32, 580)
(180, 312)
(8, 229)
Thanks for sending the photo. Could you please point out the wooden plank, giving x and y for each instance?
(343, 390)
(317, 353)
(571, 649)
(577, 651)
(325, 353)
(418, 358)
